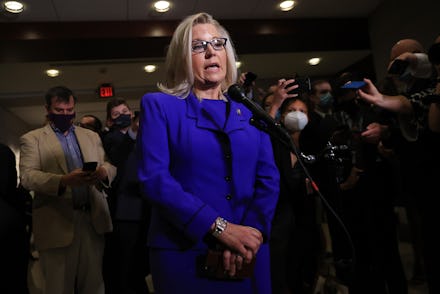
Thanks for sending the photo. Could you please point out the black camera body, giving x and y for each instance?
(250, 77)
(434, 54)
(398, 67)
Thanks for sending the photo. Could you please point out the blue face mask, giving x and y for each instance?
(326, 100)
(122, 121)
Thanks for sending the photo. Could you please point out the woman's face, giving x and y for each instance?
(209, 67)
(296, 105)
(268, 103)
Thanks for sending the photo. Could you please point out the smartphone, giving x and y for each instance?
(398, 67)
(249, 78)
(89, 166)
(304, 85)
(353, 85)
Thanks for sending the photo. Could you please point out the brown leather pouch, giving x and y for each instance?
(213, 267)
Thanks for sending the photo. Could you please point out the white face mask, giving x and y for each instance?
(295, 121)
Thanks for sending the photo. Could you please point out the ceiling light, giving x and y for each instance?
(162, 6)
(238, 64)
(53, 72)
(287, 5)
(150, 68)
(314, 61)
(14, 6)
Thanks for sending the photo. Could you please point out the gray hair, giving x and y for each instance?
(179, 77)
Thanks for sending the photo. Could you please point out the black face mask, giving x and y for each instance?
(122, 121)
(434, 54)
(61, 121)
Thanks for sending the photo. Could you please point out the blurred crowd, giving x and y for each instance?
(355, 149)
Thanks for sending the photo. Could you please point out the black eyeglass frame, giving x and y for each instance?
(204, 45)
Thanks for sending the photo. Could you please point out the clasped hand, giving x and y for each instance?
(242, 243)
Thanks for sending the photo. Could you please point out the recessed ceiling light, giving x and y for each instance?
(150, 68)
(238, 64)
(14, 6)
(162, 6)
(287, 5)
(53, 72)
(314, 60)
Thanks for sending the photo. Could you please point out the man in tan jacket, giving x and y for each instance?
(70, 213)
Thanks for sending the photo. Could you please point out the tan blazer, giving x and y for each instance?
(42, 164)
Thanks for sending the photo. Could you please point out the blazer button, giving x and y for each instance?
(228, 156)
(228, 197)
(227, 178)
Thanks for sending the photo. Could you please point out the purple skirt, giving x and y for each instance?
(176, 271)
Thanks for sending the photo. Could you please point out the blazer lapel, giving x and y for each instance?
(195, 111)
(54, 146)
(237, 117)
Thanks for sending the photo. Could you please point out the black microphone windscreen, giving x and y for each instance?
(235, 93)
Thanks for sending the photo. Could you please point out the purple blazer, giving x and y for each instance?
(193, 171)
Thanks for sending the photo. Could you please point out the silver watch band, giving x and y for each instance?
(220, 226)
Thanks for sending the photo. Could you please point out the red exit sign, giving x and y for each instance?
(106, 91)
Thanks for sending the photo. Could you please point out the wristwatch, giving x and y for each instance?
(220, 226)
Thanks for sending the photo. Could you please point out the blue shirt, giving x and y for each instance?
(74, 160)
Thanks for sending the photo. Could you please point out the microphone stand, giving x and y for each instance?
(278, 132)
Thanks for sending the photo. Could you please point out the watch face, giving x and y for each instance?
(220, 226)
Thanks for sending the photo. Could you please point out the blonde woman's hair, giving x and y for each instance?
(179, 77)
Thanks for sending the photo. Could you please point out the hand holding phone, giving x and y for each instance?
(304, 85)
(355, 85)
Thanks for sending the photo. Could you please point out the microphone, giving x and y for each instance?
(261, 119)
(237, 95)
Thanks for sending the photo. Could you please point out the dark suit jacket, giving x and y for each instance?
(8, 174)
(127, 201)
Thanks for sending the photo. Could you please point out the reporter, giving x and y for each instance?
(419, 121)
(209, 174)
(420, 109)
(416, 107)
(295, 238)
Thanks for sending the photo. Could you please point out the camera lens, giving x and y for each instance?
(434, 54)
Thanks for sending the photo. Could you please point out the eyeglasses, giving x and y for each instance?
(201, 46)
